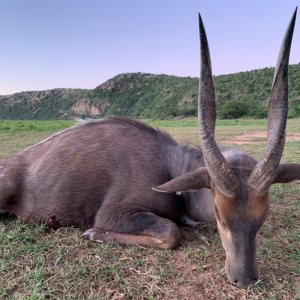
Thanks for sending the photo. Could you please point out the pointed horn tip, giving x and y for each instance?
(201, 25)
(294, 15)
(295, 12)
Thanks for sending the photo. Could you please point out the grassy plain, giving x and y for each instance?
(36, 264)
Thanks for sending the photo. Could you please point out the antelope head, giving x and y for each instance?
(241, 201)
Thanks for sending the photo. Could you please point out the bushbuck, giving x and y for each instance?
(129, 183)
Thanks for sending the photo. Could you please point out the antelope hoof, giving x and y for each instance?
(90, 235)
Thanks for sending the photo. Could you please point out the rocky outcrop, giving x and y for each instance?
(84, 107)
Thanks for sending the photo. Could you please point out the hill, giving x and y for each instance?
(143, 95)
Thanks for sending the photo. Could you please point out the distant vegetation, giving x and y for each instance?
(142, 95)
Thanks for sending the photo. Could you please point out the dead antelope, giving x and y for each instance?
(131, 184)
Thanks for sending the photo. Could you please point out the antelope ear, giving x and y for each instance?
(190, 181)
(287, 173)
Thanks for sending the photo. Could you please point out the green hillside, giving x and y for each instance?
(153, 96)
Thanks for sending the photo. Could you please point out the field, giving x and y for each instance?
(38, 264)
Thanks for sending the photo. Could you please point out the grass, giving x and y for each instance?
(38, 264)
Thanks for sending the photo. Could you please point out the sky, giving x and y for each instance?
(47, 44)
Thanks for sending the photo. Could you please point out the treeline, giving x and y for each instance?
(143, 95)
(246, 94)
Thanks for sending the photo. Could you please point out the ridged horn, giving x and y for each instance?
(219, 170)
(265, 170)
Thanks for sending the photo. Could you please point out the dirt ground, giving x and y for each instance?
(257, 137)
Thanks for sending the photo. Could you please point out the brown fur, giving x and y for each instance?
(99, 174)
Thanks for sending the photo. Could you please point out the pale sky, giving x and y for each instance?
(47, 44)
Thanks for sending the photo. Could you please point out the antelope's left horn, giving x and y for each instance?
(265, 170)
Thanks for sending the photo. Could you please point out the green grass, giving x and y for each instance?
(32, 126)
(37, 264)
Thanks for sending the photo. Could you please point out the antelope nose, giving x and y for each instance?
(243, 283)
